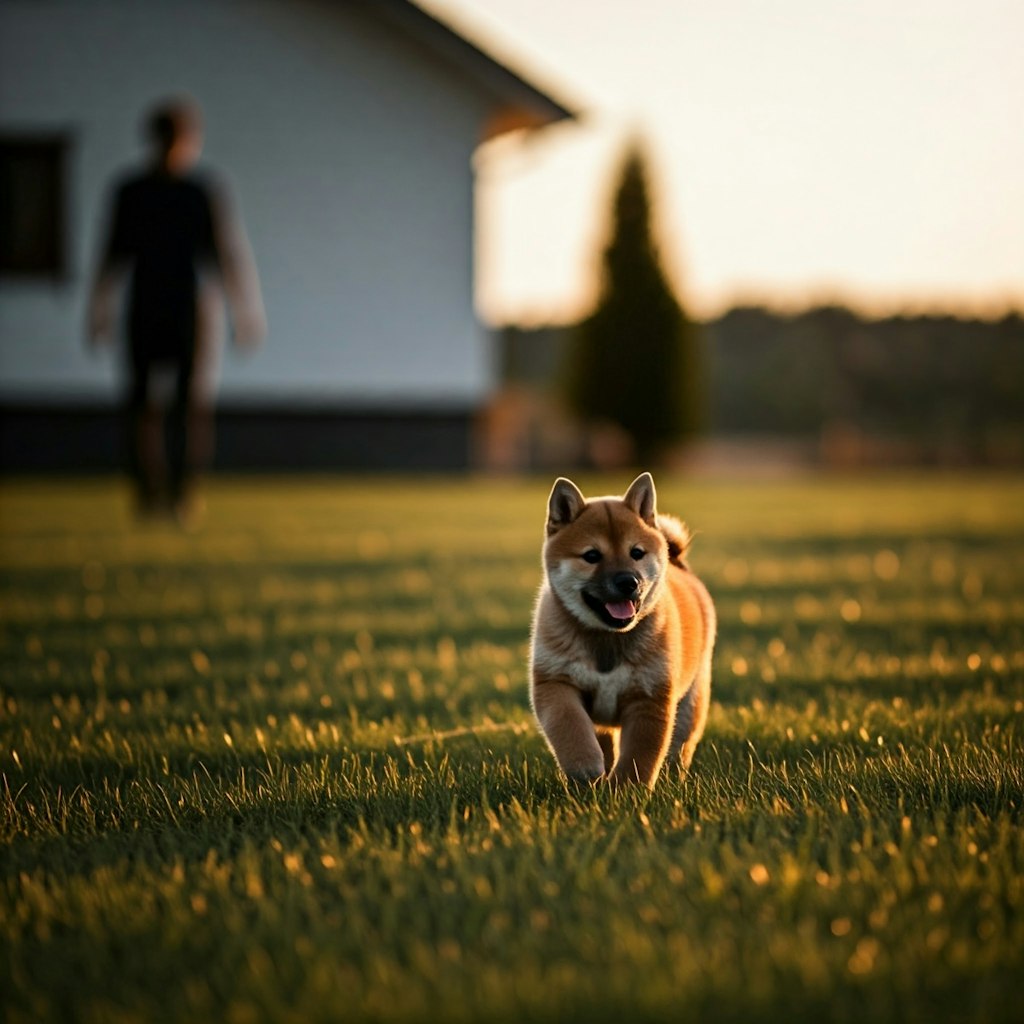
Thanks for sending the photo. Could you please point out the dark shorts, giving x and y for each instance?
(148, 357)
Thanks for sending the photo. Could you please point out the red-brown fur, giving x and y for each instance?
(616, 697)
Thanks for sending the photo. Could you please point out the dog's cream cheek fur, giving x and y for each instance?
(565, 582)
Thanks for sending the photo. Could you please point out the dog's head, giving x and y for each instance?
(605, 558)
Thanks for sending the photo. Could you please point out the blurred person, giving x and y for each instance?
(172, 237)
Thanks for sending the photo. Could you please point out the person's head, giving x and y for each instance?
(174, 128)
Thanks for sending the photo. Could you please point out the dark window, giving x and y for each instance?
(33, 221)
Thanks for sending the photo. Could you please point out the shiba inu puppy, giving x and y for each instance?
(622, 637)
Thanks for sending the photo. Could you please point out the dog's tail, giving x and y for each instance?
(678, 535)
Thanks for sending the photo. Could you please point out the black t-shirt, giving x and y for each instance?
(163, 231)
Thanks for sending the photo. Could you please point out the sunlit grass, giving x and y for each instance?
(285, 769)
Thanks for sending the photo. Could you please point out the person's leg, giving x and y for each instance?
(191, 436)
(147, 465)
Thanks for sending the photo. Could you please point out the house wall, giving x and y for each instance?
(348, 146)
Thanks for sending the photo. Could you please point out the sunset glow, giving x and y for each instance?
(802, 152)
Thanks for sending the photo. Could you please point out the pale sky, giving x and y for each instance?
(869, 151)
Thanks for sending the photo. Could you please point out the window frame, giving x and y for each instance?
(54, 146)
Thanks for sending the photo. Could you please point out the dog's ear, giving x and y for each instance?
(564, 505)
(642, 498)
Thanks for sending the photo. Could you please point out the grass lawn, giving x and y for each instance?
(285, 769)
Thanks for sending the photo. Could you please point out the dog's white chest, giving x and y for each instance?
(605, 689)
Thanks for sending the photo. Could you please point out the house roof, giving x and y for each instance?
(518, 103)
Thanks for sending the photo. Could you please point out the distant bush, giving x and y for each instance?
(634, 361)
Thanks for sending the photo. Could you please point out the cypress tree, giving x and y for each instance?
(633, 361)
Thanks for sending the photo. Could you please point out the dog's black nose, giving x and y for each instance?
(626, 583)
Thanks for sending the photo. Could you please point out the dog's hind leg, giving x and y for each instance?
(691, 714)
(609, 742)
(683, 724)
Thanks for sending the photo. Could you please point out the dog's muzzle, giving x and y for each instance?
(617, 603)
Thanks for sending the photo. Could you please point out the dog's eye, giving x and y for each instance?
(637, 553)
(593, 556)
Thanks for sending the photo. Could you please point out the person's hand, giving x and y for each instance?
(100, 326)
(250, 330)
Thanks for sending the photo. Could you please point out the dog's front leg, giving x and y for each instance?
(643, 742)
(568, 729)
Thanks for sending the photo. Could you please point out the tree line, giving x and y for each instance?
(903, 388)
(944, 387)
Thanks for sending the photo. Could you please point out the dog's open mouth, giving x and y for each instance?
(616, 614)
(621, 611)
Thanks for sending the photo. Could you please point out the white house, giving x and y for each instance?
(346, 129)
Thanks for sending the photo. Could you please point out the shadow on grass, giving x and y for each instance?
(226, 802)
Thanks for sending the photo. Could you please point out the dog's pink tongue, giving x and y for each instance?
(621, 609)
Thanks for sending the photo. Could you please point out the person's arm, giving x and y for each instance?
(238, 271)
(113, 257)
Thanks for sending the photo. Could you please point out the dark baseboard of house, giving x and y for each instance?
(40, 438)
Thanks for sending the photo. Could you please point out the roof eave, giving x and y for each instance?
(518, 103)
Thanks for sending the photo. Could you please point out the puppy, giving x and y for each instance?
(623, 631)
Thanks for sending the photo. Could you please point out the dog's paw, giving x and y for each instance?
(583, 776)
